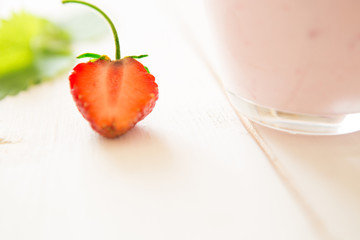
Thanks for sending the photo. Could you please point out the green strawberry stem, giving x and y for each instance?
(116, 38)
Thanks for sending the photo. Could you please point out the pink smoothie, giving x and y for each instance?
(293, 55)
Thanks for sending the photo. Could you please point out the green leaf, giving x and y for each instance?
(93, 56)
(139, 56)
(32, 50)
(147, 69)
(89, 55)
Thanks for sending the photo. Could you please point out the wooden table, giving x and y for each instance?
(194, 169)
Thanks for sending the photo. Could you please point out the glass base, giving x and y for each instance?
(294, 122)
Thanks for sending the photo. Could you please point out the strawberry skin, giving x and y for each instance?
(113, 95)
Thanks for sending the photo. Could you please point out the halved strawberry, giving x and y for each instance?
(112, 95)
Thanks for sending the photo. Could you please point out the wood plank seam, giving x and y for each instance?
(314, 219)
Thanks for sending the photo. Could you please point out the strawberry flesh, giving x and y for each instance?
(113, 95)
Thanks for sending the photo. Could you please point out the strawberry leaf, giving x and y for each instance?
(93, 56)
(139, 56)
(89, 55)
(32, 50)
(147, 69)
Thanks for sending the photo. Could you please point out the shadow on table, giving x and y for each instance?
(325, 171)
(139, 150)
(337, 158)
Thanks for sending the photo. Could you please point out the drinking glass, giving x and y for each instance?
(292, 65)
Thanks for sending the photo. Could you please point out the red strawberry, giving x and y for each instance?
(112, 95)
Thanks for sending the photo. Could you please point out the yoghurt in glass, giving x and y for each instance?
(292, 64)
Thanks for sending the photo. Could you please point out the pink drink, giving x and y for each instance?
(295, 56)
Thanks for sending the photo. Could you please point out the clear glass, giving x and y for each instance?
(292, 65)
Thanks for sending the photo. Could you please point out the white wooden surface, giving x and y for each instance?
(188, 171)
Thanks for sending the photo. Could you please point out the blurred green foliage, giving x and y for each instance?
(32, 50)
